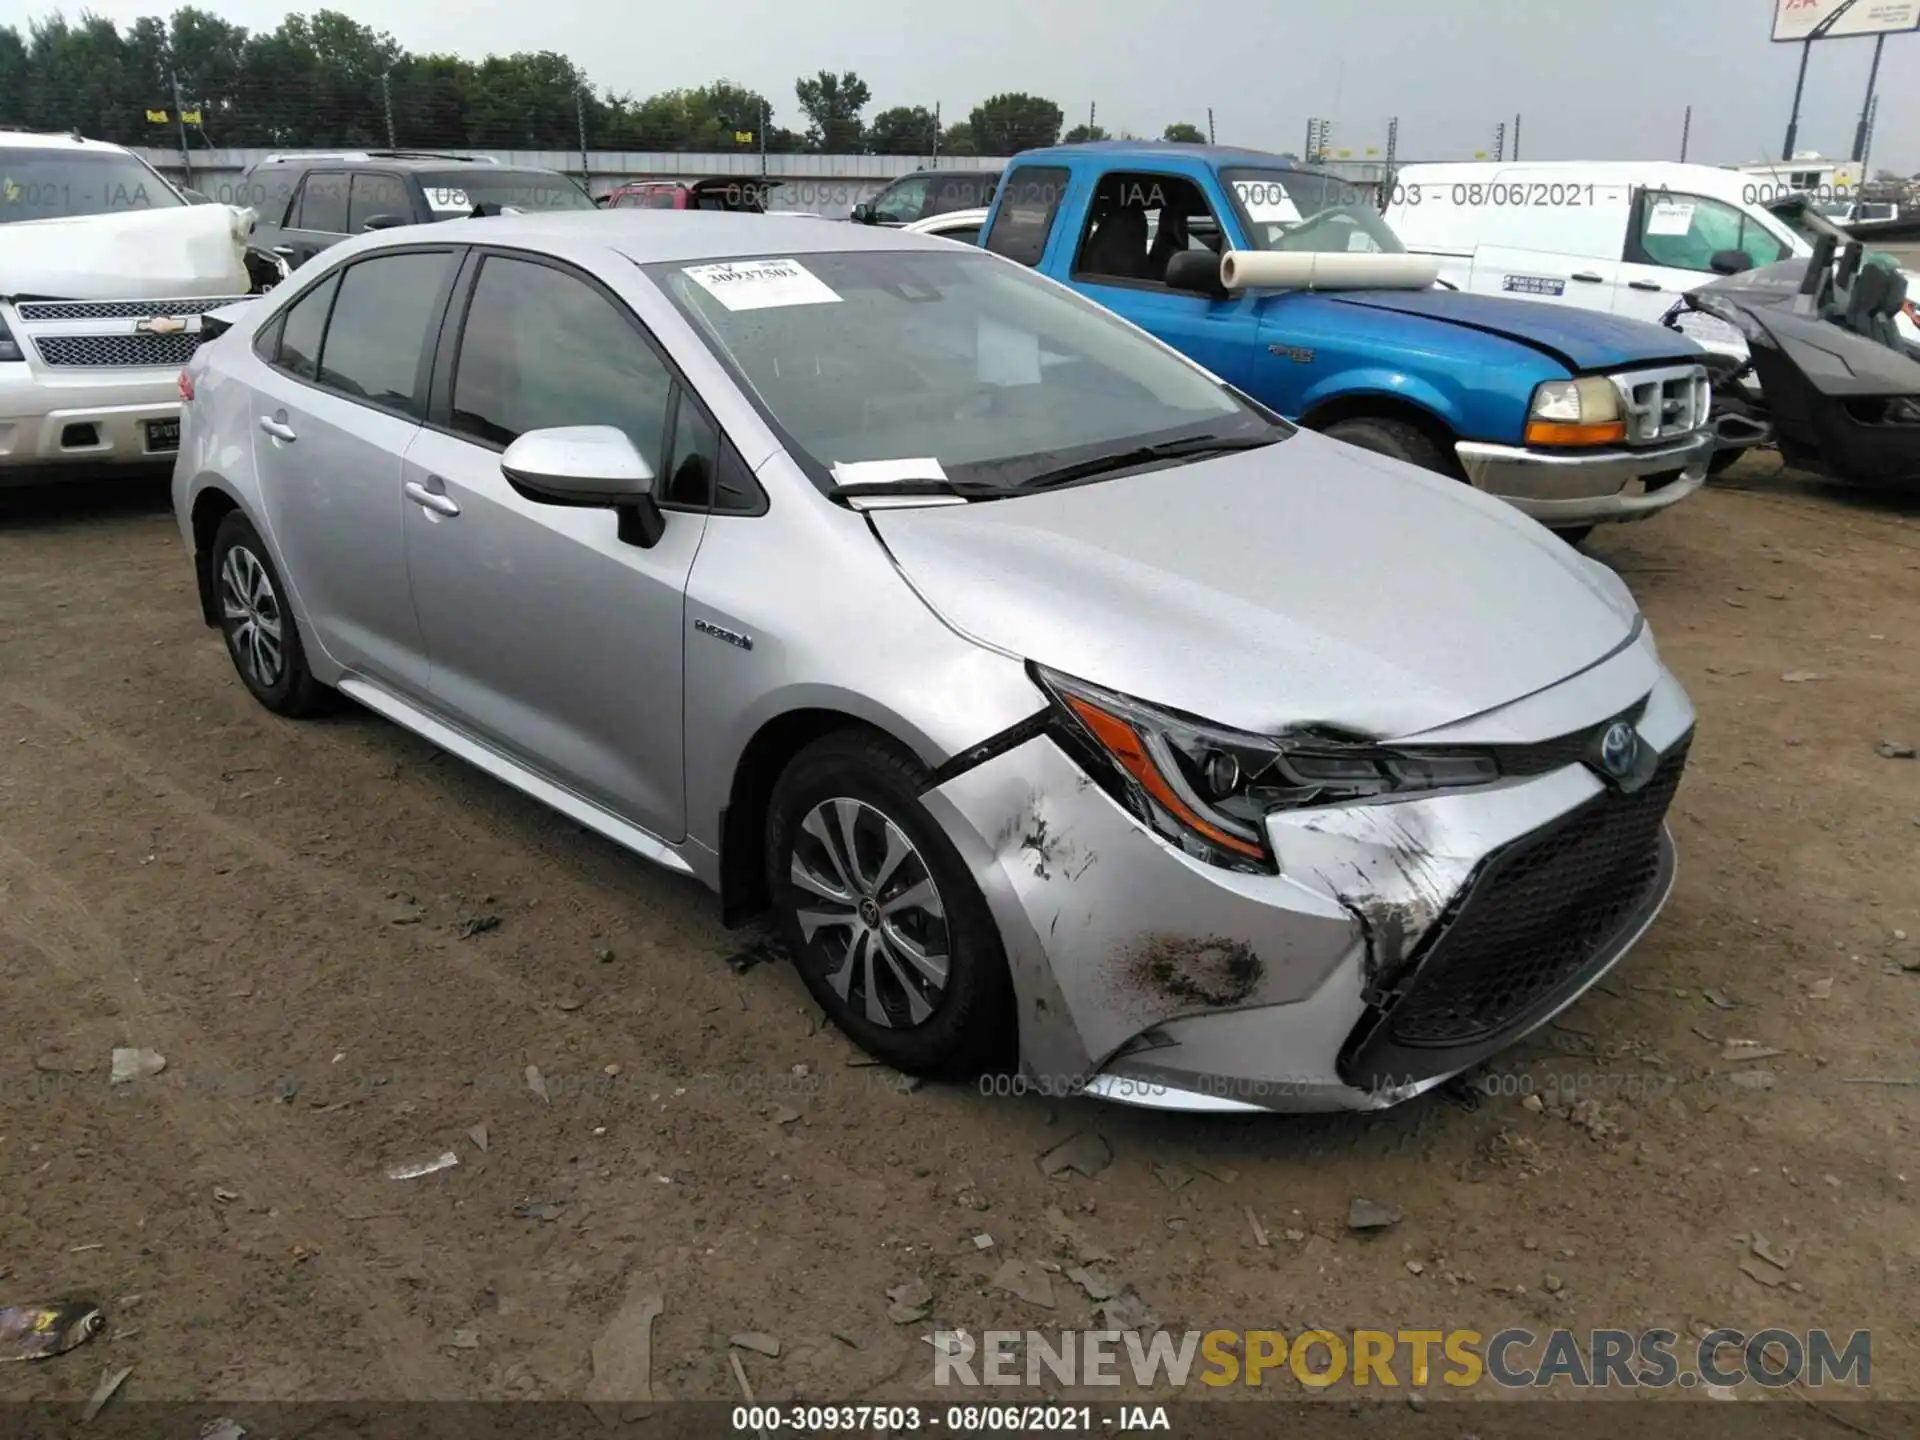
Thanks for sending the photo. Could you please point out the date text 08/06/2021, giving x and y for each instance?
(950, 1419)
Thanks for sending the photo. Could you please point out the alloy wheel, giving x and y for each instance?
(870, 913)
(253, 617)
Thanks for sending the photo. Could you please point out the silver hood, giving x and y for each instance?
(1304, 583)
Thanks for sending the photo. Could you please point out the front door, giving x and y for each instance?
(1671, 242)
(550, 637)
(336, 405)
(1135, 224)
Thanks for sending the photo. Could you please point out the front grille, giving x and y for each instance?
(1544, 756)
(1664, 405)
(118, 309)
(118, 352)
(1537, 914)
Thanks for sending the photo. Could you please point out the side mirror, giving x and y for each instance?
(385, 222)
(862, 214)
(1197, 271)
(1730, 262)
(592, 466)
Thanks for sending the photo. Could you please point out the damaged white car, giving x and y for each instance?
(105, 270)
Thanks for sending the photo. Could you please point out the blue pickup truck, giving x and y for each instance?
(1574, 416)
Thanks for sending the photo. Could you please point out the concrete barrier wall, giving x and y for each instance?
(826, 184)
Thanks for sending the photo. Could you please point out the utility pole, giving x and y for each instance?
(1210, 139)
(1866, 145)
(1386, 172)
(766, 114)
(386, 99)
(1799, 88)
(1686, 134)
(1092, 110)
(580, 113)
(1516, 137)
(1500, 141)
(936, 134)
(1313, 141)
(1866, 108)
(180, 117)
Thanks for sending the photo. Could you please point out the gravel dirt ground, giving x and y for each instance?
(353, 952)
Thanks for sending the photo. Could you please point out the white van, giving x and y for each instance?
(1627, 237)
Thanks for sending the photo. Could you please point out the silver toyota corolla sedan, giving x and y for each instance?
(1062, 708)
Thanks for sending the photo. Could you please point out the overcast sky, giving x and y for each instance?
(1605, 80)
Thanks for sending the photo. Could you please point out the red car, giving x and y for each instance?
(721, 193)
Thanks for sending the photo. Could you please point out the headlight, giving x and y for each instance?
(1209, 790)
(9, 347)
(1576, 412)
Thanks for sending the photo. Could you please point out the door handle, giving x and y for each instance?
(435, 500)
(1642, 285)
(283, 249)
(1587, 277)
(277, 428)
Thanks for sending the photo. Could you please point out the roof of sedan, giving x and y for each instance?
(647, 236)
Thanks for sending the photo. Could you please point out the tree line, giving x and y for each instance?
(328, 80)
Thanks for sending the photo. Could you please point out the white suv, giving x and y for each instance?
(105, 270)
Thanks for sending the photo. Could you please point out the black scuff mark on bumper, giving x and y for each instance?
(1214, 973)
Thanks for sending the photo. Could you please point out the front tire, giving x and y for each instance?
(262, 637)
(884, 923)
(1394, 438)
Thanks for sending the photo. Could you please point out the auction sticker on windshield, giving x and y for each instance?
(761, 284)
(1670, 217)
(448, 197)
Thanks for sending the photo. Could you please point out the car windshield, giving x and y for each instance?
(1301, 210)
(55, 184)
(922, 366)
(454, 193)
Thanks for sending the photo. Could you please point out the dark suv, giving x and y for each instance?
(306, 202)
(926, 193)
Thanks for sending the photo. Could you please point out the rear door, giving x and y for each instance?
(339, 398)
(550, 637)
(377, 195)
(318, 217)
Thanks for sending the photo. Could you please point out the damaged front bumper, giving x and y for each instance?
(1401, 943)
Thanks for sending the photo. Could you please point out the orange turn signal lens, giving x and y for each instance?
(1123, 742)
(1552, 432)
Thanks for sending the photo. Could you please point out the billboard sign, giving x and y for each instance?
(1798, 20)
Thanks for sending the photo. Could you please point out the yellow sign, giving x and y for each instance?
(157, 117)
(164, 117)
(190, 117)
(743, 137)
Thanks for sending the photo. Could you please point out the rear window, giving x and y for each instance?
(454, 193)
(1027, 206)
(55, 184)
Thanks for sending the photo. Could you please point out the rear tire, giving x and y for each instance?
(1394, 438)
(889, 933)
(263, 639)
